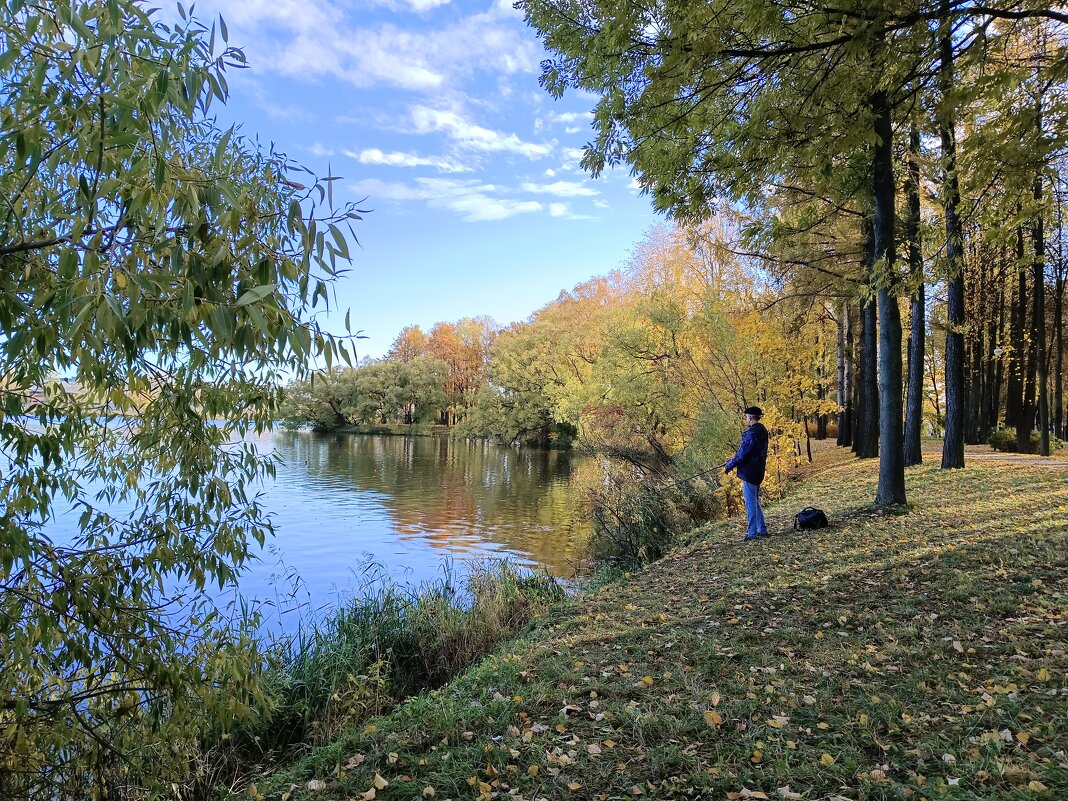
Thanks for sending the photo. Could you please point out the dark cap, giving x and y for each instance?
(754, 411)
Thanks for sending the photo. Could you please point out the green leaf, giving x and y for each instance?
(256, 294)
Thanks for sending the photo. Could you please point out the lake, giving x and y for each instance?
(347, 507)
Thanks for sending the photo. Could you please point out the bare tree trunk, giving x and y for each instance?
(917, 345)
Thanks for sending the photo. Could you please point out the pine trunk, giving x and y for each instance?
(953, 445)
(891, 488)
(1039, 330)
(845, 376)
(918, 320)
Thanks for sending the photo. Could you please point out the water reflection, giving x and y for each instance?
(407, 503)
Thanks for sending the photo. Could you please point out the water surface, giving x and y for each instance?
(409, 505)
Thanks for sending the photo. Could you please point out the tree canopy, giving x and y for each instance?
(157, 281)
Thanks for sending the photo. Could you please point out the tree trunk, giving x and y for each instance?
(891, 489)
(994, 335)
(1026, 422)
(845, 375)
(866, 414)
(1060, 424)
(953, 445)
(918, 333)
(1058, 333)
(1017, 346)
(1039, 317)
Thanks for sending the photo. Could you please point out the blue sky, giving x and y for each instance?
(431, 110)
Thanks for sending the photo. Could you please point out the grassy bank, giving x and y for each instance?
(386, 644)
(904, 655)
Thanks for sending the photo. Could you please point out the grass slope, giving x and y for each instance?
(916, 654)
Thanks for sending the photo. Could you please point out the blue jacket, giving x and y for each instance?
(752, 456)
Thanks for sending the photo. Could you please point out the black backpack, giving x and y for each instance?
(810, 518)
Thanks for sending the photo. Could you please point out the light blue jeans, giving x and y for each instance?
(753, 512)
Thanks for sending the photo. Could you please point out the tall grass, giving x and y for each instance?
(380, 647)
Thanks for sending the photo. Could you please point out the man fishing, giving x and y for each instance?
(751, 461)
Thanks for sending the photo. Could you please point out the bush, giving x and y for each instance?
(637, 518)
(1004, 439)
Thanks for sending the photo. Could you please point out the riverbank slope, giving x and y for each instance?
(917, 653)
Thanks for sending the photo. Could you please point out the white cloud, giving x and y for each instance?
(573, 130)
(568, 117)
(411, 5)
(557, 209)
(601, 204)
(466, 134)
(397, 159)
(550, 173)
(560, 189)
(473, 200)
(323, 39)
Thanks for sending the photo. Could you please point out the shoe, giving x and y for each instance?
(757, 536)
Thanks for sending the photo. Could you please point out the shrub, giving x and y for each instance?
(638, 517)
(1004, 439)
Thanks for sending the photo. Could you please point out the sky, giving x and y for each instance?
(431, 112)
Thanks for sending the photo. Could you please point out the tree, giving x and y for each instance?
(166, 271)
(713, 99)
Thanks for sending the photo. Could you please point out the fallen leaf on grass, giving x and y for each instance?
(713, 718)
(315, 785)
(827, 759)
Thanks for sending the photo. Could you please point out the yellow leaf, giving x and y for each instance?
(827, 759)
(777, 722)
(958, 647)
(573, 785)
(379, 782)
(533, 770)
(392, 758)
(864, 719)
(823, 726)
(315, 785)
(791, 744)
(647, 680)
(713, 718)
(252, 791)
(369, 795)
(1044, 675)
(715, 698)
(1035, 786)
(819, 635)
(1023, 737)
(429, 792)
